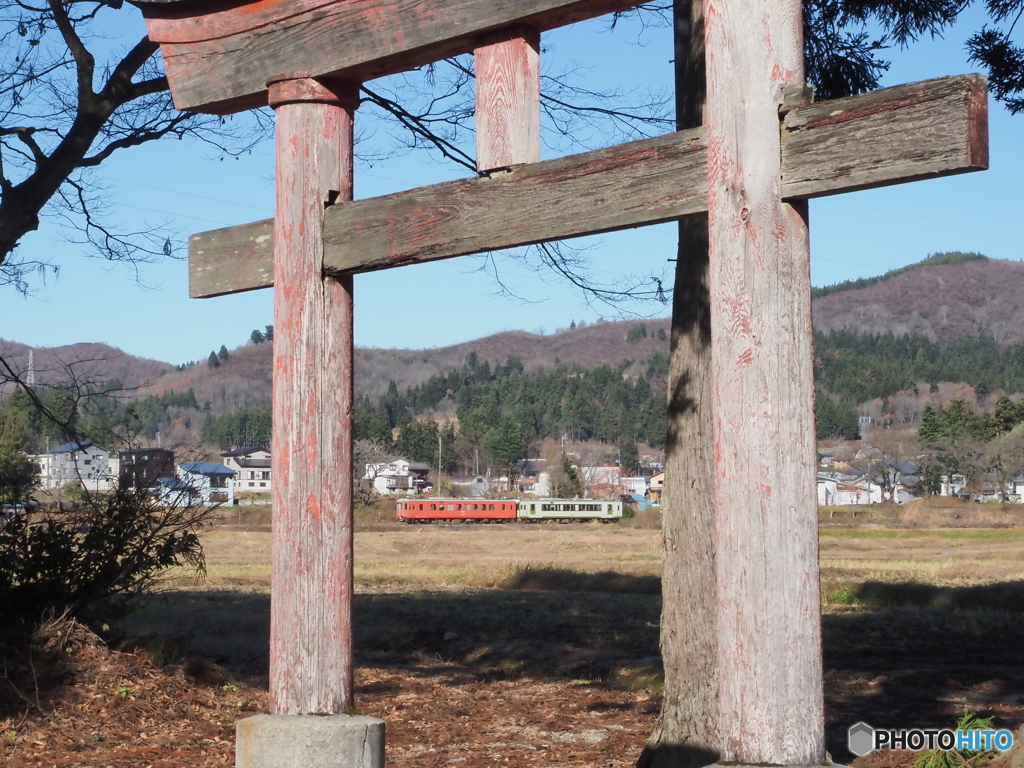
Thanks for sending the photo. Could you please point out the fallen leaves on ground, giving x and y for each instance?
(110, 709)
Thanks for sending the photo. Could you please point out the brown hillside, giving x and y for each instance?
(944, 301)
(84, 363)
(588, 346)
(241, 381)
(244, 380)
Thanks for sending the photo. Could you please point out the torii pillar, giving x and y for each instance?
(311, 667)
(770, 698)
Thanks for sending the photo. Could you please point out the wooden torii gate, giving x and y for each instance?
(762, 153)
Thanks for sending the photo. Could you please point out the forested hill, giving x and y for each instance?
(971, 297)
(952, 318)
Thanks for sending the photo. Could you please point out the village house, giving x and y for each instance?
(836, 490)
(532, 477)
(84, 462)
(952, 485)
(657, 487)
(398, 476)
(174, 492)
(600, 482)
(141, 468)
(211, 483)
(636, 486)
(252, 466)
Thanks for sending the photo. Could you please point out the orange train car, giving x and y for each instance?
(456, 509)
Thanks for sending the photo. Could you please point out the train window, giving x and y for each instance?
(451, 506)
(421, 505)
(609, 507)
(492, 507)
(533, 507)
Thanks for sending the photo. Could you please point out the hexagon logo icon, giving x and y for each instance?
(860, 739)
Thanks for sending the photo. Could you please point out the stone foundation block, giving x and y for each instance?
(309, 741)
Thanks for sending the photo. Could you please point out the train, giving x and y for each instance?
(505, 510)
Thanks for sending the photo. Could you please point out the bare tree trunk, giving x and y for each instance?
(686, 733)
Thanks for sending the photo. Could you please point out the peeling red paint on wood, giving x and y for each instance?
(769, 647)
(311, 601)
(624, 186)
(508, 100)
(219, 62)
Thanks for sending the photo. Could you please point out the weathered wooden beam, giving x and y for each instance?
(933, 128)
(218, 59)
(912, 131)
(508, 100)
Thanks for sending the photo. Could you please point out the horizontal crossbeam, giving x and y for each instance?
(909, 132)
(219, 60)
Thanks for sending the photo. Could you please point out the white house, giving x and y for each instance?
(174, 492)
(83, 462)
(835, 490)
(952, 485)
(600, 482)
(635, 486)
(397, 476)
(252, 466)
(213, 483)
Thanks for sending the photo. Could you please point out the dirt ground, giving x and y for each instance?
(517, 645)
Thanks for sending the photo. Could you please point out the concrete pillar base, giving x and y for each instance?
(309, 741)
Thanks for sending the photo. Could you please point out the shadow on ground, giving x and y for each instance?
(900, 655)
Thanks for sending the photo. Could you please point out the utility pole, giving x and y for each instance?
(438, 465)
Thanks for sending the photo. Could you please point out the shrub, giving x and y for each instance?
(91, 561)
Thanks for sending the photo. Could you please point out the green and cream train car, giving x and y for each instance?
(569, 509)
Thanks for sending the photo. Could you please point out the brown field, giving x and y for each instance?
(538, 645)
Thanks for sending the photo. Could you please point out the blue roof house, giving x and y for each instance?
(174, 492)
(213, 483)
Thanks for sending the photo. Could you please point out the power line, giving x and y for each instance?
(261, 209)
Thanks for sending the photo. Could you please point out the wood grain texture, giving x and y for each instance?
(311, 598)
(628, 185)
(914, 131)
(508, 100)
(219, 60)
(766, 538)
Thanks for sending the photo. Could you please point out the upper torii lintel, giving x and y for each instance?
(214, 65)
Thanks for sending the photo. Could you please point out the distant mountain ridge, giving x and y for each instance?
(941, 298)
(935, 259)
(87, 361)
(974, 297)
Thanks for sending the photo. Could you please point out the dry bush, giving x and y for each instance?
(550, 579)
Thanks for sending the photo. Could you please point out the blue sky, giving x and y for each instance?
(180, 185)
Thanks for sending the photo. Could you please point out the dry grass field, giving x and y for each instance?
(538, 645)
